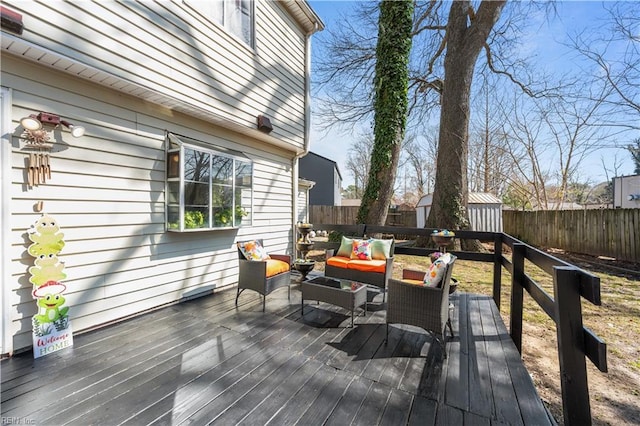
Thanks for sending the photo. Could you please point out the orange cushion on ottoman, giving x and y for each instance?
(275, 267)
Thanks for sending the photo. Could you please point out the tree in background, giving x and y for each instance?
(358, 165)
(420, 166)
(390, 107)
(616, 54)
(466, 35)
(346, 74)
(634, 150)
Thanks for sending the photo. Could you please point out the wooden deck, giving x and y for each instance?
(204, 361)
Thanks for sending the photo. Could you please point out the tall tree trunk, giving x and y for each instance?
(467, 33)
(390, 107)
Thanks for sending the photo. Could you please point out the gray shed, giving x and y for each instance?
(485, 211)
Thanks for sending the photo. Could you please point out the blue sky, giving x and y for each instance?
(545, 42)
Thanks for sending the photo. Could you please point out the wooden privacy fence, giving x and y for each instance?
(602, 232)
(346, 215)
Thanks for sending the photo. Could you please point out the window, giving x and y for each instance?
(207, 188)
(236, 16)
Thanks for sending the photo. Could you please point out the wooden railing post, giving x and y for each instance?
(573, 365)
(497, 268)
(517, 295)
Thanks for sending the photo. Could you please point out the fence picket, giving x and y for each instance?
(612, 232)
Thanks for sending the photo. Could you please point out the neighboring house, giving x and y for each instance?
(350, 202)
(485, 211)
(626, 192)
(558, 205)
(178, 161)
(304, 186)
(326, 175)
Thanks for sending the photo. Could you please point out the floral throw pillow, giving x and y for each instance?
(253, 250)
(361, 249)
(435, 274)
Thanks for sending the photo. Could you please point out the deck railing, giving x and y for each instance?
(570, 283)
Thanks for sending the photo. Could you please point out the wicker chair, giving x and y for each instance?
(421, 306)
(253, 276)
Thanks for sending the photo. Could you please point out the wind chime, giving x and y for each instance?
(36, 132)
(39, 168)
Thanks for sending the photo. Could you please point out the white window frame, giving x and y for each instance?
(178, 145)
(208, 9)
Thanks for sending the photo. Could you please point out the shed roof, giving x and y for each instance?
(474, 198)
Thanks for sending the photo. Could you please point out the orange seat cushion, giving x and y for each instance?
(414, 282)
(368, 265)
(338, 261)
(275, 267)
(360, 265)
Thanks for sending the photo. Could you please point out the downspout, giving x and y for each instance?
(307, 132)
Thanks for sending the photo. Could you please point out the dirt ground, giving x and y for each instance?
(615, 395)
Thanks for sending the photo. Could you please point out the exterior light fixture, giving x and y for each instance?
(31, 123)
(76, 131)
(34, 123)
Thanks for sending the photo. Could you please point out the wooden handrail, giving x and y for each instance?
(576, 343)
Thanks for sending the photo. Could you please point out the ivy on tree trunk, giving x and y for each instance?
(390, 107)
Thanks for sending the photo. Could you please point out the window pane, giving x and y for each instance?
(173, 217)
(222, 202)
(222, 169)
(173, 195)
(196, 165)
(246, 10)
(196, 193)
(238, 19)
(243, 174)
(196, 217)
(243, 206)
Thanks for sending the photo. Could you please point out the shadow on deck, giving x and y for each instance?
(204, 361)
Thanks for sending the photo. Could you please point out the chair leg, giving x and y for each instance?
(238, 295)
(264, 302)
(386, 339)
(450, 327)
(444, 343)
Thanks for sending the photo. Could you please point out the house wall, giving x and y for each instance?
(107, 193)
(169, 48)
(337, 188)
(626, 192)
(326, 191)
(303, 204)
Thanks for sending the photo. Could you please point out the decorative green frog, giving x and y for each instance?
(50, 309)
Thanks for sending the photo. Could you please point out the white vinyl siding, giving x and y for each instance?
(107, 193)
(169, 48)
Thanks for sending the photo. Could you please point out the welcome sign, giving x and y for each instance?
(51, 326)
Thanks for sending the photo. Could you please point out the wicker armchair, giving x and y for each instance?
(421, 306)
(253, 275)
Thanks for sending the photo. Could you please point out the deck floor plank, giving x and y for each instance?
(206, 361)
